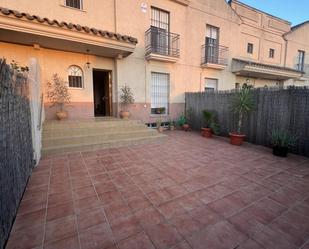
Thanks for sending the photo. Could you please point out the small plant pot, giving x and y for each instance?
(237, 139)
(280, 151)
(172, 127)
(124, 114)
(186, 127)
(207, 132)
(160, 129)
(62, 115)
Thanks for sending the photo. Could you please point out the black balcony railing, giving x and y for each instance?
(159, 41)
(215, 54)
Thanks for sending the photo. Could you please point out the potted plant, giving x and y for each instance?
(211, 125)
(172, 125)
(242, 104)
(127, 98)
(158, 125)
(182, 122)
(281, 142)
(160, 110)
(58, 94)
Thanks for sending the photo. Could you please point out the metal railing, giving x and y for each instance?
(159, 41)
(214, 54)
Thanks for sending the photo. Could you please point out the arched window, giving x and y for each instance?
(75, 77)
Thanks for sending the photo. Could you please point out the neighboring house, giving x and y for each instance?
(160, 48)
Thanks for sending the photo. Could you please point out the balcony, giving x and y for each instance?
(214, 56)
(162, 45)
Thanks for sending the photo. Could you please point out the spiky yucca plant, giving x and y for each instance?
(242, 104)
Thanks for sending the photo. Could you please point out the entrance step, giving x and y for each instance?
(98, 133)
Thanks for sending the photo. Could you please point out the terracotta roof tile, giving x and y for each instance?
(77, 27)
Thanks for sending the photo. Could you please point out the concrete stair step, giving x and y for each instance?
(66, 132)
(101, 145)
(68, 139)
(58, 125)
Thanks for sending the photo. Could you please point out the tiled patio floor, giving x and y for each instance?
(184, 192)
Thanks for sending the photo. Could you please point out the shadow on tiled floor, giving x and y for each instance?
(184, 192)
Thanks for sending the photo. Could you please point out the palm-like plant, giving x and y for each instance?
(242, 104)
(209, 118)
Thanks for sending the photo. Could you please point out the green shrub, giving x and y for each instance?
(281, 138)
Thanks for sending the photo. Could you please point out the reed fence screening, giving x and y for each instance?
(275, 108)
(16, 151)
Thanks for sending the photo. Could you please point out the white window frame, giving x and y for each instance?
(160, 92)
(211, 87)
(80, 3)
(75, 70)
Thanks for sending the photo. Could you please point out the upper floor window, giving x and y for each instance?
(160, 19)
(271, 53)
(250, 48)
(77, 4)
(301, 60)
(75, 77)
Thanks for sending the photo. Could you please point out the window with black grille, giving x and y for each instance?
(77, 4)
(159, 93)
(75, 77)
(160, 28)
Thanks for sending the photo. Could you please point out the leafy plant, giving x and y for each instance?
(58, 92)
(127, 96)
(209, 118)
(181, 120)
(15, 66)
(158, 123)
(242, 104)
(281, 138)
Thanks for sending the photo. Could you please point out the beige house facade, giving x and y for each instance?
(160, 48)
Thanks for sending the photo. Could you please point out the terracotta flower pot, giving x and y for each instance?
(62, 115)
(237, 139)
(186, 127)
(160, 129)
(207, 132)
(124, 114)
(172, 127)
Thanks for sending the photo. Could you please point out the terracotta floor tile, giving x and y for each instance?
(136, 203)
(105, 187)
(149, 216)
(286, 196)
(84, 192)
(31, 219)
(108, 198)
(138, 241)
(67, 243)
(159, 197)
(116, 210)
(205, 215)
(59, 211)
(266, 210)
(90, 218)
(185, 224)
(171, 209)
(60, 228)
(182, 245)
(97, 237)
(222, 235)
(163, 235)
(26, 238)
(250, 244)
(86, 204)
(125, 227)
(60, 198)
(270, 238)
